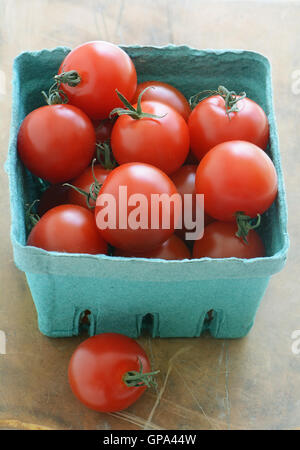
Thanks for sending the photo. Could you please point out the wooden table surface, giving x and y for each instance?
(250, 383)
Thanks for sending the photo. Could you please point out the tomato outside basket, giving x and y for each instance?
(122, 294)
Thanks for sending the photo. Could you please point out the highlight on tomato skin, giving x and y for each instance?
(220, 241)
(164, 93)
(109, 372)
(68, 228)
(173, 248)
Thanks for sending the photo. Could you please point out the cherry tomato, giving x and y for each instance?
(67, 228)
(184, 180)
(54, 195)
(236, 176)
(209, 124)
(164, 93)
(173, 248)
(102, 67)
(56, 142)
(99, 368)
(133, 229)
(162, 142)
(84, 182)
(219, 241)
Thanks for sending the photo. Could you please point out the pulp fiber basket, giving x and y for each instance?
(126, 295)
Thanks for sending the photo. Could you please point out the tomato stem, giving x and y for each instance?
(245, 224)
(105, 156)
(56, 95)
(94, 189)
(31, 218)
(135, 113)
(134, 378)
(230, 98)
(72, 78)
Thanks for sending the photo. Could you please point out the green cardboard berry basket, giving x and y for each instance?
(171, 298)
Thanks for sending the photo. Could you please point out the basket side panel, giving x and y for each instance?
(178, 309)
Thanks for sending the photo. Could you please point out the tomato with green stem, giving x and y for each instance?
(90, 74)
(239, 182)
(67, 228)
(84, 189)
(220, 241)
(109, 372)
(225, 116)
(164, 93)
(150, 132)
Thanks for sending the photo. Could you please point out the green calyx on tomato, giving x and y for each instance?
(245, 224)
(230, 98)
(31, 218)
(93, 191)
(134, 378)
(56, 96)
(104, 155)
(71, 78)
(135, 113)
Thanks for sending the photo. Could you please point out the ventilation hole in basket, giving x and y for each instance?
(207, 321)
(209, 316)
(84, 322)
(147, 325)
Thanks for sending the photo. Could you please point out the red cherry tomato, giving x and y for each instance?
(173, 248)
(84, 182)
(54, 195)
(136, 178)
(162, 142)
(56, 142)
(67, 228)
(103, 67)
(164, 93)
(99, 368)
(219, 241)
(209, 124)
(236, 176)
(184, 180)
